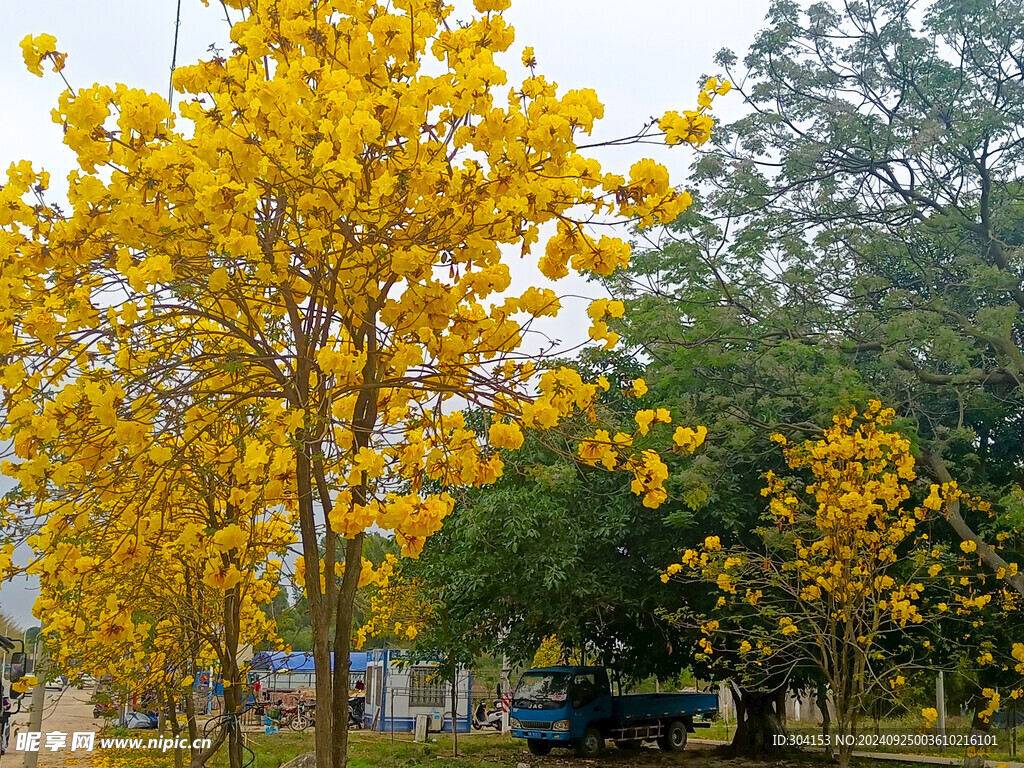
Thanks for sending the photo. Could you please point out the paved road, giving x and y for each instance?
(66, 711)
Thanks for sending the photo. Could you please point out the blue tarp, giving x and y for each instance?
(279, 661)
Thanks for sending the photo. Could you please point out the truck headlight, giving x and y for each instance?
(560, 725)
(513, 723)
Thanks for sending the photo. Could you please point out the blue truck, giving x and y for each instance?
(574, 707)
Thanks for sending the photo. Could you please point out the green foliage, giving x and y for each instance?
(559, 548)
(857, 234)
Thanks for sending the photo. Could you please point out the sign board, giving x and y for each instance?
(420, 728)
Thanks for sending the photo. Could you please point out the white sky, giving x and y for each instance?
(643, 57)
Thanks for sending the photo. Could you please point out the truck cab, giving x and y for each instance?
(574, 707)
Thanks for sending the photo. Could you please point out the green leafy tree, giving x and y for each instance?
(858, 234)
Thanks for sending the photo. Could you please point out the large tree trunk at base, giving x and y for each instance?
(455, 711)
(758, 721)
(975, 756)
(172, 716)
(342, 646)
(324, 732)
(826, 719)
(231, 677)
(190, 719)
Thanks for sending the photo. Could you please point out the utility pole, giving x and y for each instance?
(506, 686)
(940, 702)
(35, 720)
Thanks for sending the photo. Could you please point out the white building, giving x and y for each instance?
(398, 688)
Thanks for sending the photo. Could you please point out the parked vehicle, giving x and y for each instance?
(356, 710)
(287, 715)
(139, 720)
(104, 710)
(484, 718)
(574, 707)
(304, 717)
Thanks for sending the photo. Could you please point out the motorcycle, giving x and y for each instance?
(356, 710)
(482, 718)
(288, 715)
(304, 717)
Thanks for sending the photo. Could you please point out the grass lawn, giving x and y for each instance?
(371, 750)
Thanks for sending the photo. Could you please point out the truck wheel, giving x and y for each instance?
(674, 738)
(538, 747)
(591, 743)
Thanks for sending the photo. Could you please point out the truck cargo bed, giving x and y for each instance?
(650, 706)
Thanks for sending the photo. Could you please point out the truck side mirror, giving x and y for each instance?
(17, 666)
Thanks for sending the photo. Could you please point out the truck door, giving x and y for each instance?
(591, 701)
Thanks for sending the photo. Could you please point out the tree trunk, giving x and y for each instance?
(161, 713)
(320, 607)
(342, 646)
(758, 721)
(199, 759)
(455, 711)
(190, 720)
(975, 756)
(826, 719)
(172, 717)
(231, 677)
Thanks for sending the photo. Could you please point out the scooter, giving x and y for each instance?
(356, 709)
(484, 719)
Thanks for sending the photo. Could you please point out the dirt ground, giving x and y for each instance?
(67, 711)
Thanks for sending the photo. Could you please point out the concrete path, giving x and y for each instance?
(892, 756)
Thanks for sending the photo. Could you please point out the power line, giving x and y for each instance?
(174, 58)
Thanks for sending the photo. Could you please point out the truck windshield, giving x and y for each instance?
(542, 690)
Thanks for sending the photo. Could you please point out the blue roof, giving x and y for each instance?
(278, 661)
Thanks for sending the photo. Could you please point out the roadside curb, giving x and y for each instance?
(889, 756)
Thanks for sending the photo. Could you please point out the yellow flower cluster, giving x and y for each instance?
(395, 605)
(37, 49)
(647, 467)
(694, 126)
(598, 311)
(853, 555)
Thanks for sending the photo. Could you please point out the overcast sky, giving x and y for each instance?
(643, 57)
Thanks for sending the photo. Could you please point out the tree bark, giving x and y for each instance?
(161, 713)
(190, 720)
(231, 677)
(455, 711)
(200, 759)
(826, 719)
(975, 756)
(985, 553)
(172, 716)
(758, 721)
(320, 609)
(342, 646)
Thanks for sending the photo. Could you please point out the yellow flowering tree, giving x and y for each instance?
(153, 576)
(321, 234)
(841, 578)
